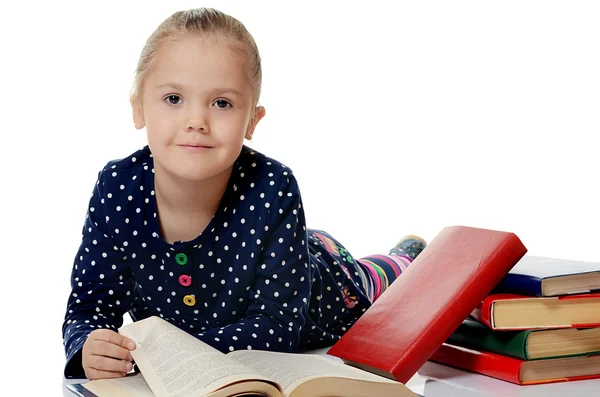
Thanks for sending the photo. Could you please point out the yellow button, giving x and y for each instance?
(189, 300)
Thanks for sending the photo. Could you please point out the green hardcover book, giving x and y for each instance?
(529, 344)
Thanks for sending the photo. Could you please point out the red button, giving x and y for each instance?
(185, 280)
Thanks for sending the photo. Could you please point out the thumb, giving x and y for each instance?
(125, 342)
(128, 343)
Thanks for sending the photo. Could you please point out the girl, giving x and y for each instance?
(203, 231)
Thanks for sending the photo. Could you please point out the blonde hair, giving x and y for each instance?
(199, 21)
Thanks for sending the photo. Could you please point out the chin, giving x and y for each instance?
(198, 174)
(197, 166)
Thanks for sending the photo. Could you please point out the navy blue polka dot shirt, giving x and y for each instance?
(245, 282)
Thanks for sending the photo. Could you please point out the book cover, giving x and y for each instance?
(446, 381)
(518, 371)
(526, 345)
(422, 308)
(475, 335)
(518, 312)
(542, 276)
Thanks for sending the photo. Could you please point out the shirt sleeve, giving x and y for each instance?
(101, 284)
(282, 283)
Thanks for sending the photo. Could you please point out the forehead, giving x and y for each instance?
(200, 62)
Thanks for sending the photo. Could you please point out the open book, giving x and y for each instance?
(174, 363)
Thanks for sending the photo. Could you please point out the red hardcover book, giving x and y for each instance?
(422, 308)
(518, 312)
(518, 371)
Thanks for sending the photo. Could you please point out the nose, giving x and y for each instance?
(197, 121)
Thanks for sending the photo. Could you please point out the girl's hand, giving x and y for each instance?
(106, 354)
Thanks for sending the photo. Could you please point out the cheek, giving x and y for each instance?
(235, 124)
(160, 122)
(156, 142)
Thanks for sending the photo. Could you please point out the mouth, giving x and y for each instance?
(194, 146)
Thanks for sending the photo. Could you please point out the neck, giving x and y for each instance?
(185, 196)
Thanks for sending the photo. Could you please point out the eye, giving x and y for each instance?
(222, 104)
(173, 99)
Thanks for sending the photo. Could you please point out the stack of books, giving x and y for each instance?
(474, 300)
(540, 324)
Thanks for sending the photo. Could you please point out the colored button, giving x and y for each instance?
(181, 258)
(189, 300)
(185, 280)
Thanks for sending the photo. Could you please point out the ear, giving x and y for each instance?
(259, 113)
(138, 112)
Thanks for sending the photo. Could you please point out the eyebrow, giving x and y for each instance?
(170, 85)
(178, 87)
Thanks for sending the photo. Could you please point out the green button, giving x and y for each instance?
(181, 258)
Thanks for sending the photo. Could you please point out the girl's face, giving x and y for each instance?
(197, 105)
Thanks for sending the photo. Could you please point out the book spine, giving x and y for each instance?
(483, 313)
(485, 363)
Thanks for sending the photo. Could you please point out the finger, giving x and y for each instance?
(102, 363)
(103, 348)
(115, 338)
(92, 374)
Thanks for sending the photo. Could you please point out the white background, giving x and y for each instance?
(396, 117)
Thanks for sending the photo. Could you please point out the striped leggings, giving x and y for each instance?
(377, 272)
(374, 273)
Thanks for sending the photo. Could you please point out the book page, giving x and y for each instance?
(289, 370)
(175, 363)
